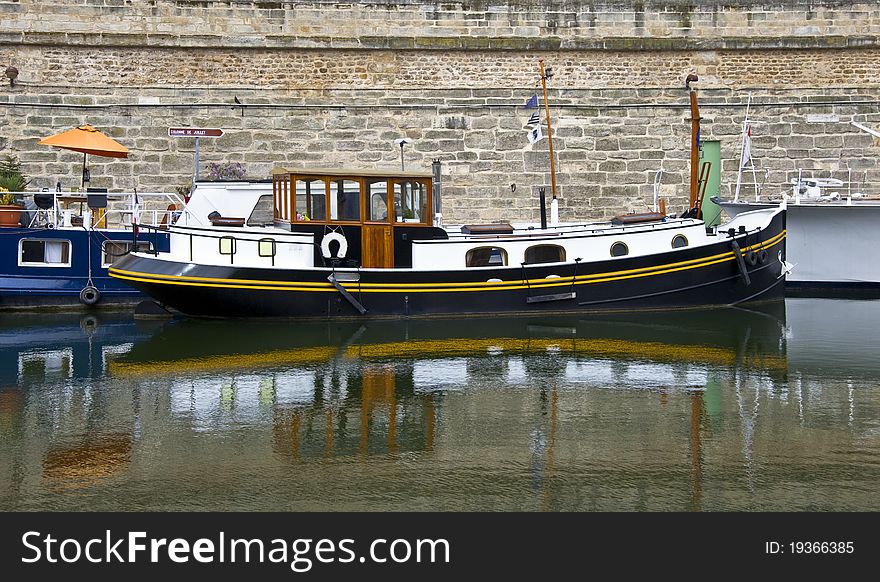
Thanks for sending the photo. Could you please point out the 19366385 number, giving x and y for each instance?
(821, 547)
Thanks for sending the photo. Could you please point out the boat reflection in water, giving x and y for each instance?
(678, 410)
(391, 388)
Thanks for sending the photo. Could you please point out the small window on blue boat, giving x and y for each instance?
(44, 253)
(545, 254)
(227, 245)
(486, 257)
(679, 241)
(266, 247)
(113, 250)
(619, 249)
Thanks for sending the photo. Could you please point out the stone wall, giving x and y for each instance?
(330, 83)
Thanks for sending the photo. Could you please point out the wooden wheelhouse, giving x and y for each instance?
(384, 207)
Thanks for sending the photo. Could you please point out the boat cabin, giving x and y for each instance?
(375, 214)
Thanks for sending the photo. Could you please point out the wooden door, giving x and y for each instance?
(377, 246)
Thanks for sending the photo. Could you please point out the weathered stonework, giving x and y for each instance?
(330, 83)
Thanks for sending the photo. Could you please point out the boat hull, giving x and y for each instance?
(711, 274)
(831, 244)
(43, 286)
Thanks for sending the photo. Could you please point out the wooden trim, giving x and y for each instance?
(285, 193)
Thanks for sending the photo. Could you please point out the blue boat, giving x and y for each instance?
(57, 252)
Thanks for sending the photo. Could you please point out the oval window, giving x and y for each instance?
(486, 257)
(619, 249)
(545, 254)
(679, 241)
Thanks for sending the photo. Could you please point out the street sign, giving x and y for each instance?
(194, 132)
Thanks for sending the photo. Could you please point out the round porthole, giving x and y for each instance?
(619, 249)
(679, 241)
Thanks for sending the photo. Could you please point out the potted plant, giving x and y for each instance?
(10, 210)
(11, 181)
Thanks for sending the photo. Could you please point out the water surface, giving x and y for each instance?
(729, 409)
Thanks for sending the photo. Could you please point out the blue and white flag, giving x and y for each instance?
(534, 119)
(532, 103)
(535, 135)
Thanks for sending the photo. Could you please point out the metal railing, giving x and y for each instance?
(96, 210)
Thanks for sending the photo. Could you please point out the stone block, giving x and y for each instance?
(609, 144)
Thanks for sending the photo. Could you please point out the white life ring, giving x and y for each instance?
(325, 245)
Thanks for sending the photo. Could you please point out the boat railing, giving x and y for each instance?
(814, 185)
(98, 210)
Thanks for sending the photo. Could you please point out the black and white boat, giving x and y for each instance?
(343, 243)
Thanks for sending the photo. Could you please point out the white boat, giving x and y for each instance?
(831, 225)
(831, 243)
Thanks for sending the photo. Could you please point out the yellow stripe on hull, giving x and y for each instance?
(440, 287)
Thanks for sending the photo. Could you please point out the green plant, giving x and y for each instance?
(11, 176)
(183, 190)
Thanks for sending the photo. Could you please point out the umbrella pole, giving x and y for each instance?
(83, 185)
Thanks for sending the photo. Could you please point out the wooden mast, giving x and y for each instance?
(693, 202)
(544, 76)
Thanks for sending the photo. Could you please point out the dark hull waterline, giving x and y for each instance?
(701, 276)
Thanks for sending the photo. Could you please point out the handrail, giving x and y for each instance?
(70, 208)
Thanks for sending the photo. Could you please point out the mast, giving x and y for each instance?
(545, 75)
(695, 146)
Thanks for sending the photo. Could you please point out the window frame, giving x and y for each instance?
(559, 247)
(505, 261)
(233, 246)
(105, 264)
(426, 219)
(614, 244)
(68, 264)
(680, 236)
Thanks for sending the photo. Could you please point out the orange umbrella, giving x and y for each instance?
(88, 140)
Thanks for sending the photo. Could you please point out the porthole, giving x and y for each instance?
(486, 257)
(679, 241)
(544, 254)
(619, 249)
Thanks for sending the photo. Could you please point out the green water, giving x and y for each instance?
(732, 409)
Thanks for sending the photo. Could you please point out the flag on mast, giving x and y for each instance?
(535, 135)
(747, 148)
(532, 103)
(135, 215)
(534, 119)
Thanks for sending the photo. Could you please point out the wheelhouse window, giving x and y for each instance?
(410, 201)
(486, 257)
(345, 200)
(44, 253)
(679, 241)
(377, 200)
(619, 249)
(545, 254)
(112, 251)
(311, 199)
